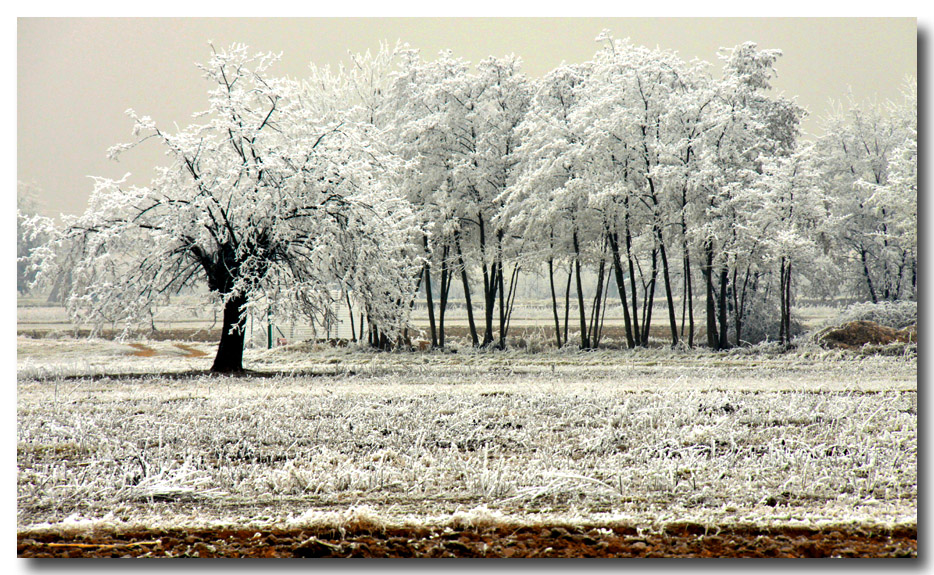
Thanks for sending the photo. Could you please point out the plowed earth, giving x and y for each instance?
(500, 541)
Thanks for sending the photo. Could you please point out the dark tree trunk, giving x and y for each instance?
(585, 341)
(721, 310)
(554, 300)
(784, 335)
(596, 333)
(739, 304)
(429, 301)
(788, 303)
(502, 309)
(489, 301)
(872, 291)
(509, 304)
(671, 302)
(688, 297)
(353, 330)
(229, 358)
(460, 261)
(648, 300)
(384, 343)
(781, 300)
(688, 300)
(713, 341)
(567, 301)
(445, 287)
(597, 307)
(621, 287)
(489, 284)
(632, 285)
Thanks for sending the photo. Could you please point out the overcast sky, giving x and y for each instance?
(76, 77)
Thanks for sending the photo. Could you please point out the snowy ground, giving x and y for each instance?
(339, 434)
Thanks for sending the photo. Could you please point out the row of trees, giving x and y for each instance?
(398, 176)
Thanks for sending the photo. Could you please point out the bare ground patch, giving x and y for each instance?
(686, 540)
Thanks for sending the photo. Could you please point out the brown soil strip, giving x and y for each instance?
(187, 334)
(190, 351)
(142, 350)
(500, 541)
(146, 351)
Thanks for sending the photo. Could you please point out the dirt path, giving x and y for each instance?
(538, 541)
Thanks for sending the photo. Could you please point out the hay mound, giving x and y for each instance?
(856, 334)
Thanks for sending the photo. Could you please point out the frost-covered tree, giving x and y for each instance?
(540, 204)
(362, 92)
(634, 105)
(27, 208)
(621, 135)
(868, 157)
(425, 113)
(272, 202)
(787, 218)
(456, 128)
(748, 129)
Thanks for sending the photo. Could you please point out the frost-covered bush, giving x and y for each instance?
(894, 314)
(763, 323)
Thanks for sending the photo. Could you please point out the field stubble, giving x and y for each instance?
(640, 439)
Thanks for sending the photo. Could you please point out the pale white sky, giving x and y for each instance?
(75, 77)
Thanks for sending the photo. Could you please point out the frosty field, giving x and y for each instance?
(330, 436)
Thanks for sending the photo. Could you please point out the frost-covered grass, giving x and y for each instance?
(895, 314)
(646, 437)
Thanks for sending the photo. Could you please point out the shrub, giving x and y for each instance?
(894, 314)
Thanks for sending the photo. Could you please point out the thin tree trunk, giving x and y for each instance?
(510, 303)
(585, 341)
(788, 304)
(785, 329)
(502, 309)
(429, 301)
(671, 302)
(648, 300)
(872, 291)
(621, 288)
(598, 297)
(781, 301)
(632, 285)
(713, 341)
(684, 302)
(598, 335)
(445, 288)
(741, 305)
(353, 332)
(489, 298)
(489, 284)
(567, 301)
(689, 296)
(554, 300)
(724, 335)
(470, 321)
(782, 336)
